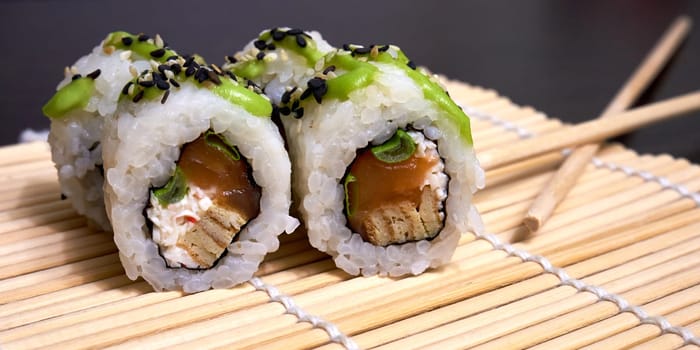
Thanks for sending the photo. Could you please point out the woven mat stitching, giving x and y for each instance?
(603, 295)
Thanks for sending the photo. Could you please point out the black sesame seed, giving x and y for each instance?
(188, 61)
(231, 59)
(143, 37)
(94, 74)
(63, 197)
(286, 96)
(285, 111)
(172, 58)
(260, 55)
(163, 85)
(347, 47)
(165, 97)
(76, 77)
(127, 40)
(301, 41)
(271, 46)
(251, 83)
(94, 146)
(260, 44)
(147, 83)
(299, 113)
(190, 71)
(125, 90)
(295, 105)
(329, 69)
(176, 68)
(315, 83)
(277, 35)
(201, 75)
(163, 67)
(138, 96)
(306, 94)
(383, 48)
(295, 31)
(216, 69)
(174, 83)
(275, 111)
(411, 65)
(158, 53)
(213, 77)
(232, 76)
(362, 50)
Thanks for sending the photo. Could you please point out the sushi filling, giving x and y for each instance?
(395, 192)
(204, 205)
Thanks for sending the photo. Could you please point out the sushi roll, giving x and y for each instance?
(87, 95)
(383, 162)
(197, 179)
(279, 59)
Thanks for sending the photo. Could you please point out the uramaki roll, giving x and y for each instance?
(383, 163)
(197, 178)
(87, 95)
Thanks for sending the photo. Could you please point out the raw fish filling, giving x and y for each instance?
(395, 192)
(204, 205)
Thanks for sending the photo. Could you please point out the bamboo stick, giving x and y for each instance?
(507, 335)
(623, 321)
(562, 182)
(592, 131)
(23, 153)
(39, 231)
(520, 290)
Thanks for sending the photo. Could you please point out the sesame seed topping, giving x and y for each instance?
(299, 113)
(76, 77)
(143, 37)
(216, 69)
(159, 41)
(165, 97)
(176, 68)
(277, 35)
(174, 82)
(188, 61)
(305, 94)
(271, 46)
(158, 53)
(201, 75)
(213, 77)
(94, 74)
(384, 48)
(163, 67)
(295, 31)
(125, 90)
(133, 71)
(285, 111)
(162, 84)
(231, 59)
(125, 55)
(147, 83)
(138, 96)
(411, 65)
(190, 71)
(301, 41)
(127, 41)
(232, 76)
(260, 44)
(329, 69)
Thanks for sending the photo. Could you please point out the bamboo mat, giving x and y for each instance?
(618, 265)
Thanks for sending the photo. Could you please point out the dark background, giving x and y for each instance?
(566, 58)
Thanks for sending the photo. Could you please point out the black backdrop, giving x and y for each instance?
(566, 58)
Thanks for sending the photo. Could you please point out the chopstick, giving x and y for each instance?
(572, 168)
(595, 130)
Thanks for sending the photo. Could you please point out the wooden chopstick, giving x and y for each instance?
(592, 131)
(565, 178)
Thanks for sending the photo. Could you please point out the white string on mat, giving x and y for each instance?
(624, 306)
(291, 308)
